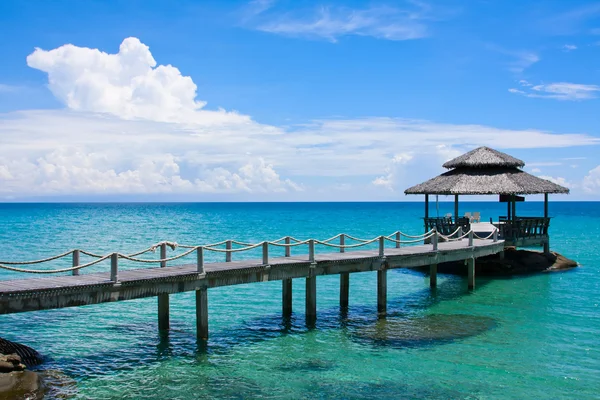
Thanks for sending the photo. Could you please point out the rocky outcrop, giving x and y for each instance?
(15, 381)
(29, 356)
(513, 262)
(21, 385)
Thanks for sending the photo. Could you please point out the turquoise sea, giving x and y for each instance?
(525, 337)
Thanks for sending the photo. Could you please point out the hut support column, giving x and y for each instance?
(286, 297)
(547, 242)
(344, 289)
(456, 209)
(471, 267)
(433, 275)
(202, 314)
(382, 291)
(311, 300)
(426, 211)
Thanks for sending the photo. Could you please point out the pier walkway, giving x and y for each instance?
(58, 291)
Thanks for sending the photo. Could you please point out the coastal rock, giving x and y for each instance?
(21, 385)
(28, 356)
(514, 262)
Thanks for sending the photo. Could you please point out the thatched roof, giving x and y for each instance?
(486, 181)
(486, 171)
(484, 157)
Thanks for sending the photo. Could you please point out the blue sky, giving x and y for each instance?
(282, 100)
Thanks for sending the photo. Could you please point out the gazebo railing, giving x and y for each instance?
(524, 228)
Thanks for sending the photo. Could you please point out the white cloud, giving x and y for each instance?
(4, 88)
(591, 182)
(163, 141)
(535, 170)
(569, 47)
(128, 84)
(558, 91)
(331, 23)
(559, 181)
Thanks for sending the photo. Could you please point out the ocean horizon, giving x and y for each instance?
(520, 337)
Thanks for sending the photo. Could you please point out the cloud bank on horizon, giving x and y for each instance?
(131, 126)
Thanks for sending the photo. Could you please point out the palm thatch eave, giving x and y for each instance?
(485, 181)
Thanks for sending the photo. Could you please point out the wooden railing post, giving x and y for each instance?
(228, 253)
(342, 243)
(495, 235)
(265, 251)
(434, 239)
(75, 262)
(460, 232)
(200, 258)
(288, 249)
(163, 254)
(471, 238)
(311, 250)
(114, 267)
(381, 246)
(398, 238)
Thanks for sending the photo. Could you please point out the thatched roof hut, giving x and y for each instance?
(486, 171)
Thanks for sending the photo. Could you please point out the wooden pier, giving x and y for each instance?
(24, 295)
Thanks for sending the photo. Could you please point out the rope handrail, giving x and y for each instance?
(389, 239)
(290, 242)
(487, 237)
(55, 271)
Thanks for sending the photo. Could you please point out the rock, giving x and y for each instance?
(6, 366)
(515, 262)
(29, 356)
(21, 385)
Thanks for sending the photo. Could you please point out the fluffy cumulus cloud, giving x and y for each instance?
(132, 126)
(127, 84)
(557, 91)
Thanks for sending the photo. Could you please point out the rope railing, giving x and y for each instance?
(289, 242)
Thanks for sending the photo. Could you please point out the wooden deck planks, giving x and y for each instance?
(141, 274)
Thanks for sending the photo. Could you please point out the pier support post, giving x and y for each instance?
(471, 273)
(433, 275)
(202, 314)
(286, 297)
(382, 291)
(311, 300)
(163, 298)
(344, 289)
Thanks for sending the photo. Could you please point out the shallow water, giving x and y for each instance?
(534, 336)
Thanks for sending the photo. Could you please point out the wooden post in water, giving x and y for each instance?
(202, 314)
(344, 278)
(382, 290)
(471, 268)
(163, 298)
(433, 275)
(311, 300)
(75, 262)
(286, 297)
